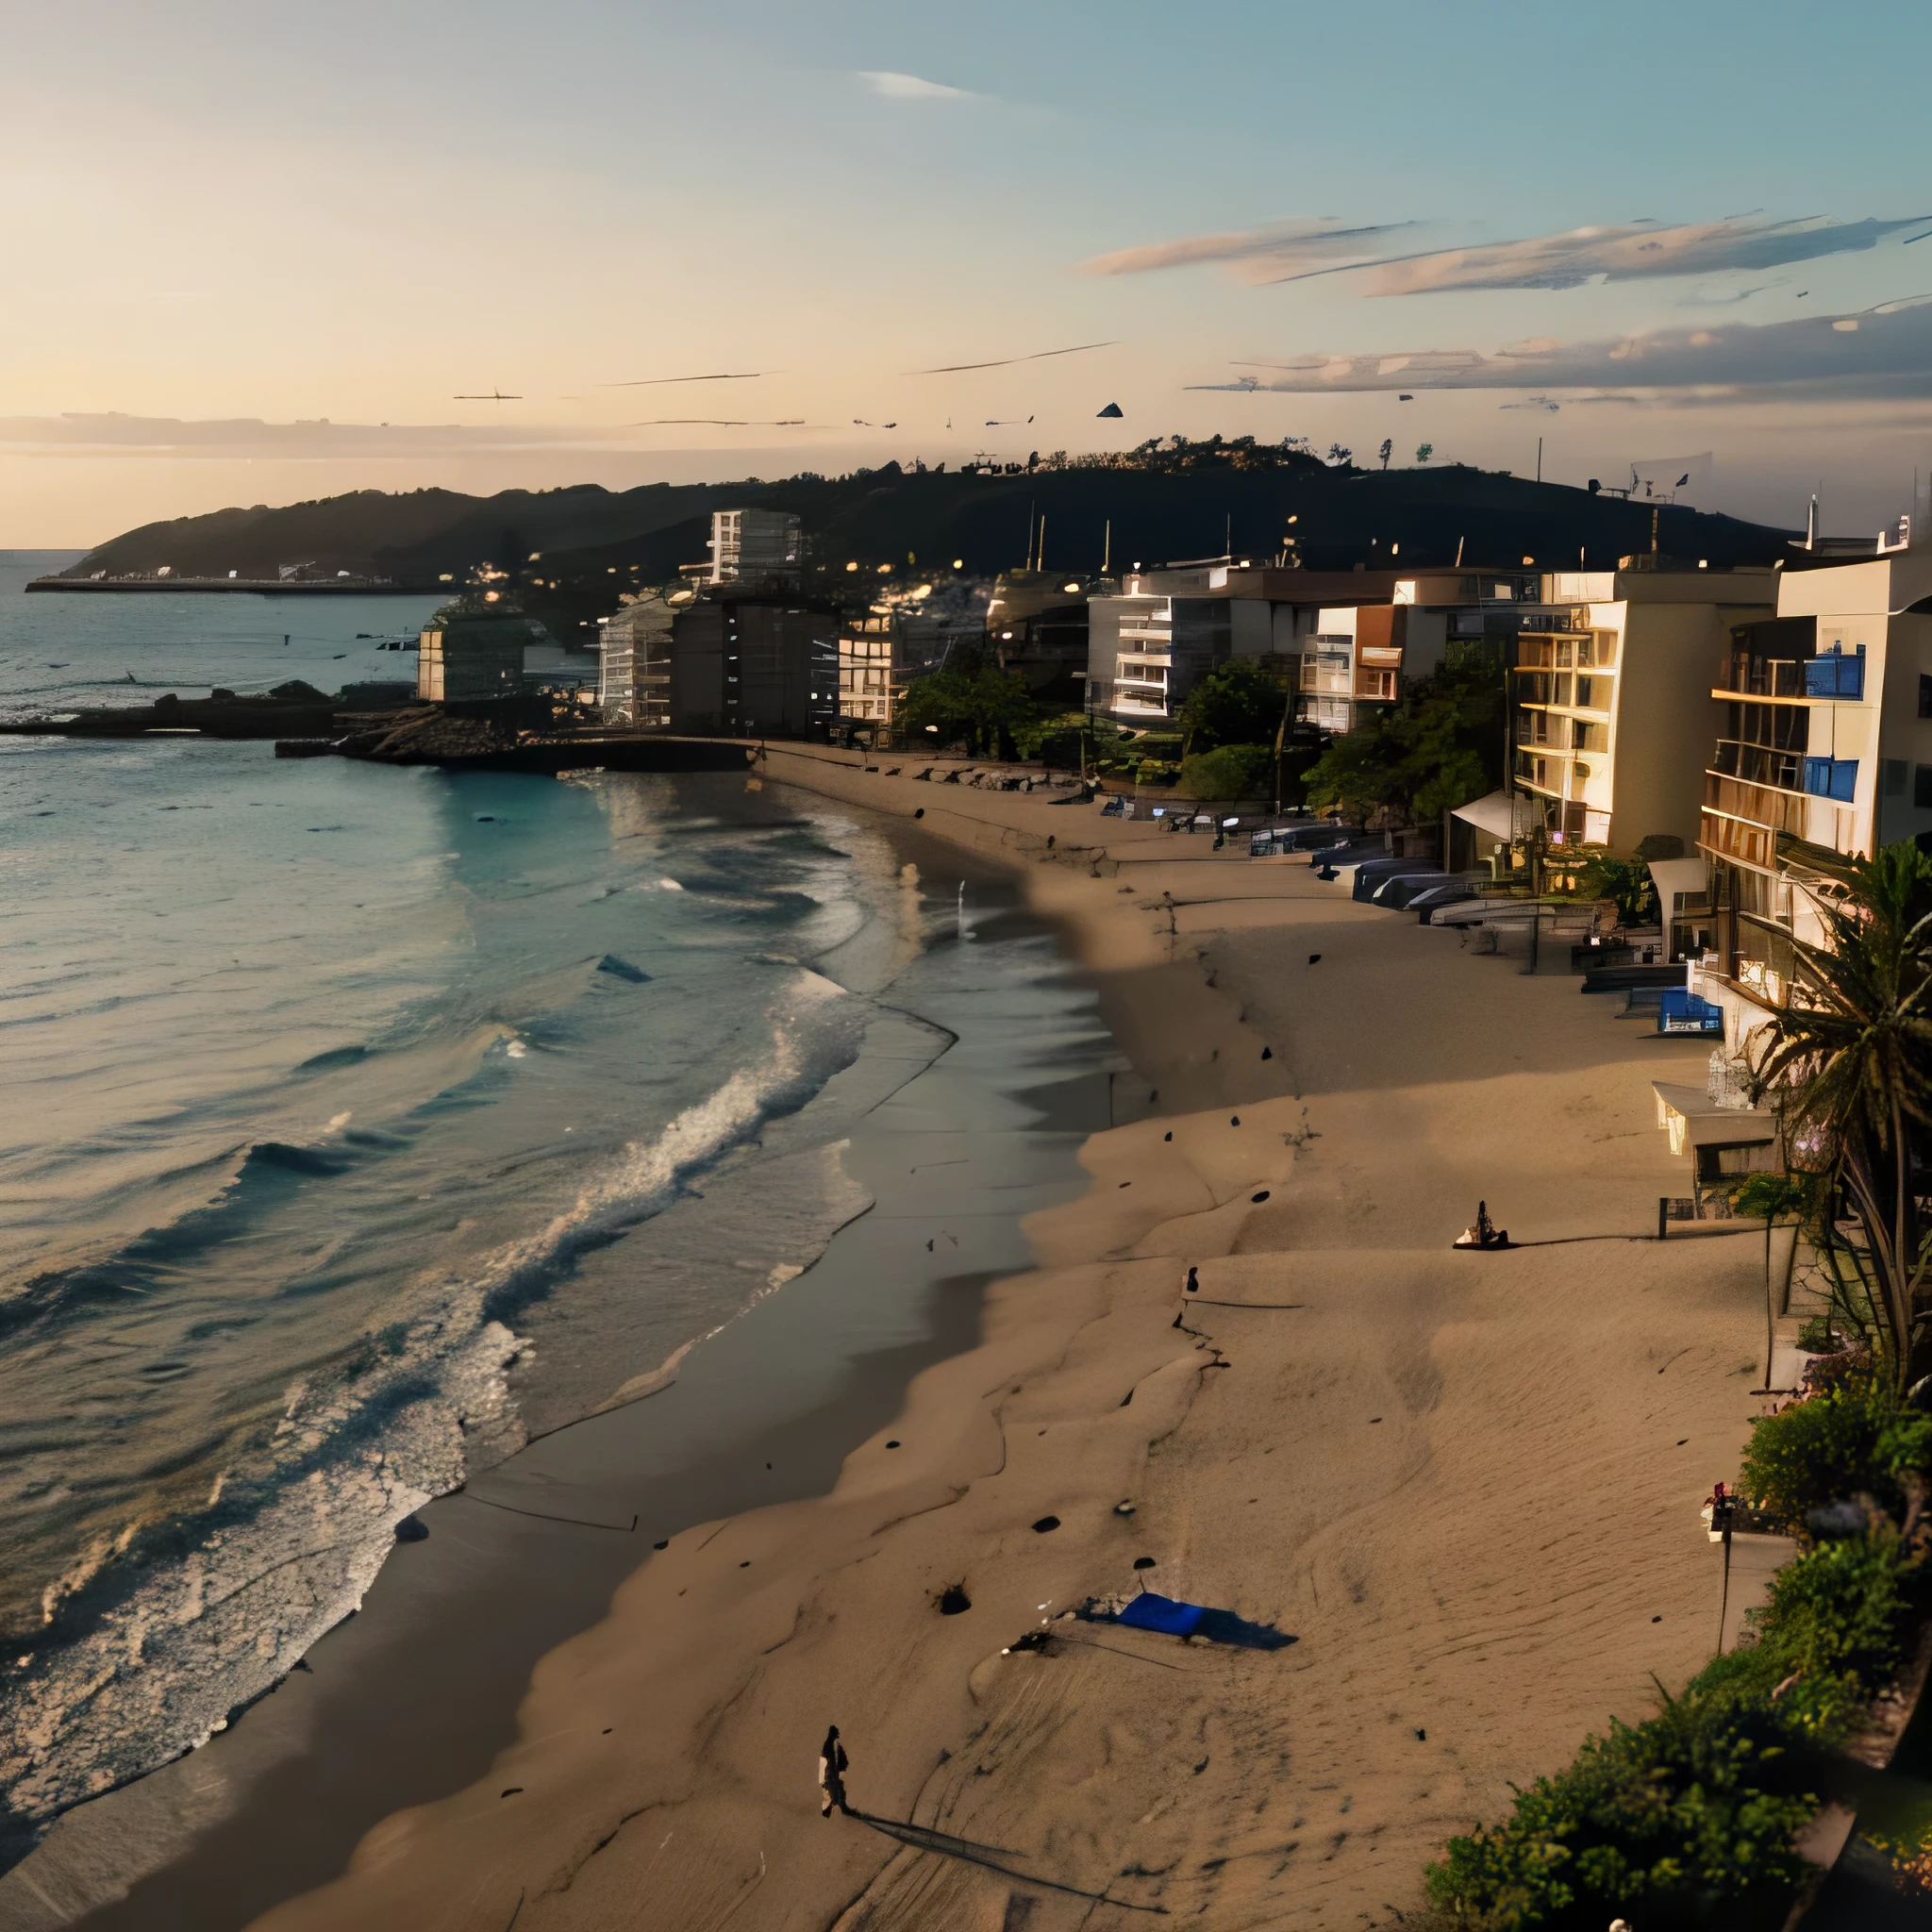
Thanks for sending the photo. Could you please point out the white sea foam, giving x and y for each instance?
(159, 1671)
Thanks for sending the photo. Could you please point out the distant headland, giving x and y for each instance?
(1169, 499)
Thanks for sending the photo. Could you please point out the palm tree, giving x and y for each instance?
(1849, 1053)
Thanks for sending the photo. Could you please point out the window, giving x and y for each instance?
(1922, 788)
(1924, 695)
(1585, 736)
(1560, 690)
(1587, 694)
(1832, 674)
(1834, 778)
(1893, 778)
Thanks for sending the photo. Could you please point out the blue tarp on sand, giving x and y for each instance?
(1166, 1614)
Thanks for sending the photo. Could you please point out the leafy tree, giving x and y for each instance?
(978, 702)
(1387, 450)
(1236, 703)
(1441, 746)
(1231, 771)
(1424, 451)
(1850, 1063)
(1627, 881)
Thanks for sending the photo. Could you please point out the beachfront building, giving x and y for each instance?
(1354, 660)
(1346, 642)
(753, 664)
(866, 646)
(1037, 621)
(1824, 751)
(1611, 714)
(462, 659)
(752, 544)
(634, 653)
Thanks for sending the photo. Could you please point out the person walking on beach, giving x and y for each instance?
(832, 1766)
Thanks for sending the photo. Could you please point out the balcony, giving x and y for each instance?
(1745, 674)
(1759, 765)
(1737, 840)
(1778, 810)
(1582, 649)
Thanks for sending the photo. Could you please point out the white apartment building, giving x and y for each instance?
(865, 672)
(634, 649)
(1356, 657)
(752, 544)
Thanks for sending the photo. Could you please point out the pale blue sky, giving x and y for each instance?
(357, 211)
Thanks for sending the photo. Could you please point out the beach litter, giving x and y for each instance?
(1173, 1617)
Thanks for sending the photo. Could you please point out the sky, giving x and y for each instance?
(1654, 233)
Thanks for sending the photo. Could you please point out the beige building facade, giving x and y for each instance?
(1611, 710)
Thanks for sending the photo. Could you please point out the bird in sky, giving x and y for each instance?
(1008, 361)
(495, 395)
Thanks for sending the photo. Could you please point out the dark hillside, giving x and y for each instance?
(1340, 518)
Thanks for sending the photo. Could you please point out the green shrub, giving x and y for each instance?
(1232, 771)
(1688, 1819)
(1819, 1450)
(1820, 1336)
(1661, 1822)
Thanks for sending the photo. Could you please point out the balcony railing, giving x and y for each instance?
(1778, 810)
(1741, 673)
(1760, 764)
(1733, 839)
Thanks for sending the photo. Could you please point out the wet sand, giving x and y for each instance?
(1466, 1485)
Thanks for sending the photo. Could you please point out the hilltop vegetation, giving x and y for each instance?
(1168, 500)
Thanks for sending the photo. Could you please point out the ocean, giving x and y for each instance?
(345, 1108)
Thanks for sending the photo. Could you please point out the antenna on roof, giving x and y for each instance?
(1811, 524)
(1459, 543)
(1655, 513)
(1107, 548)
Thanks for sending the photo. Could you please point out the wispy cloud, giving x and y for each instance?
(1283, 251)
(1885, 351)
(911, 87)
(111, 434)
(1008, 361)
(1635, 251)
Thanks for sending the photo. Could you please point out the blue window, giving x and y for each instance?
(1834, 778)
(1834, 675)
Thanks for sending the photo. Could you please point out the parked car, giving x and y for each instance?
(1401, 891)
(1444, 893)
(1370, 873)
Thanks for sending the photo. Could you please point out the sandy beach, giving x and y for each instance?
(1465, 1485)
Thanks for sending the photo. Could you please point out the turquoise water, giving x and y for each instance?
(333, 1093)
